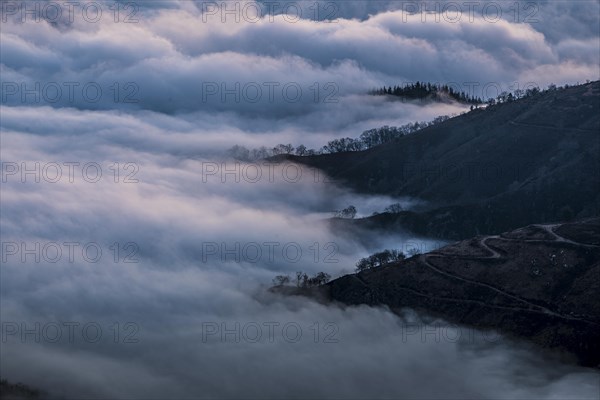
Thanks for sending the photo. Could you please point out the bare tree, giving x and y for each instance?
(348, 212)
(394, 208)
(301, 150)
(281, 280)
(301, 278)
(239, 153)
(379, 259)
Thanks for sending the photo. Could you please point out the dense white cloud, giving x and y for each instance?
(179, 58)
(178, 291)
(180, 208)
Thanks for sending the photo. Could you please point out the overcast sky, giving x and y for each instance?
(150, 97)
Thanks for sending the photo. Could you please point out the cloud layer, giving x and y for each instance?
(181, 59)
(116, 163)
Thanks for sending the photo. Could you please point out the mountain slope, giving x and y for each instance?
(532, 160)
(539, 283)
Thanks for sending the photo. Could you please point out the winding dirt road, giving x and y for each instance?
(531, 307)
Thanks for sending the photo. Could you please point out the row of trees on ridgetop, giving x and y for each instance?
(426, 90)
(351, 211)
(302, 279)
(368, 139)
(423, 90)
(383, 258)
(377, 136)
(379, 259)
(388, 134)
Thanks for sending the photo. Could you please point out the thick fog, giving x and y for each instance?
(136, 256)
(172, 313)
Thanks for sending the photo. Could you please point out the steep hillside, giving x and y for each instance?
(17, 391)
(532, 160)
(540, 283)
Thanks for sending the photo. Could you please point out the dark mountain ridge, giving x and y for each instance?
(531, 160)
(540, 283)
(525, 163)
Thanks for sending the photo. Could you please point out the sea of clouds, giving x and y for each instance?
(136, 256)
